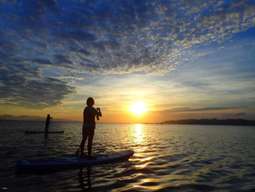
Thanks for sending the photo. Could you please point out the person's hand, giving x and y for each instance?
(99, 112)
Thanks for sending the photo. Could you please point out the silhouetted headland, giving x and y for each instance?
(212, 122)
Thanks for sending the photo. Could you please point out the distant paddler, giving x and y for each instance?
(47, 123)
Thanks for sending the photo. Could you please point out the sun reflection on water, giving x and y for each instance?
(138, 133)
(138, 137)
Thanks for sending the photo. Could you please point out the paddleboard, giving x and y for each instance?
(70, 161)
(43, 132)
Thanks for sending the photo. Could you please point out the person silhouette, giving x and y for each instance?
(47, 123)
(89, 125)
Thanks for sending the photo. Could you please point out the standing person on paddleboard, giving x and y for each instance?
(89, 125)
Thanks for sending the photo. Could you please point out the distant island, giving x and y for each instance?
(212, 122)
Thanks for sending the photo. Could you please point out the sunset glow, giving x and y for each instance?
(138, 108)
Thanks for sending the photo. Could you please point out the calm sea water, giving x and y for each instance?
(167, 158)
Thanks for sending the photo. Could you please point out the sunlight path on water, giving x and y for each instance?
(138, 133)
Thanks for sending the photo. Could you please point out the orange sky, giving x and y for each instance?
(124, 115)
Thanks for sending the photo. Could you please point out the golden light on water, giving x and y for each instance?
(138, 133)
(138, 108)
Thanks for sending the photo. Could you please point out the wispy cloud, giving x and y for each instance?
(101, 36)
(22, 85)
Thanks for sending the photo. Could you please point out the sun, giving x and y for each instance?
(138, 108)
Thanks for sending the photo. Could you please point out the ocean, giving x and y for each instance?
(166, 158)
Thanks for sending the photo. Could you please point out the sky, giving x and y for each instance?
(182, 59)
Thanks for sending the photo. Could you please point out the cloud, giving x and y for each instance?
(121, 36)
(241, 114)
(22, 85)
(109, 37)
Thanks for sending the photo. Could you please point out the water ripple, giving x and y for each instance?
(166, 158)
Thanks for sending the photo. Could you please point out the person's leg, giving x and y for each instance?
(84, 138)
(90, 141)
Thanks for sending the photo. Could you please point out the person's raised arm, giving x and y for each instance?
(99, 112)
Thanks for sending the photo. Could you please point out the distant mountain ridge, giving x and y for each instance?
(212, 122)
